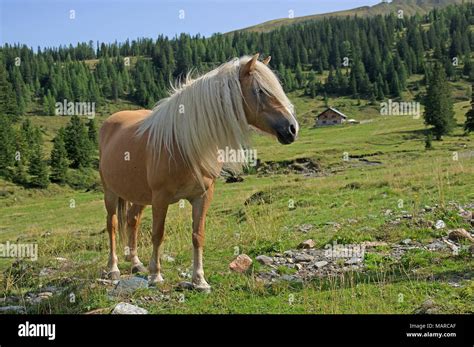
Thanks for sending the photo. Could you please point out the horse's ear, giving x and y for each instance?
(250, 66)
(267, 60)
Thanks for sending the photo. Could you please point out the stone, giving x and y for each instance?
(129, 285)
(406, 241)
(320, 264)
(126, 308)
(241, 263)
(168, 258)
(428, 307)
(466, 215)
(185, 285)
(304, 228)
(264, 260)
(436, 246)
(298, 266)
(440, 224)
(353, 261)
(302, 258)
(308, 244)
(460, 234)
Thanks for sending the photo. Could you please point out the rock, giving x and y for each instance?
(436, 246)
(129, 285)
(428, 307)
(45, 295)
(298, 266)
(12, 309)
(185, 285)
(264, 260)
(46, 272)
(304, 228)
(440, 224)
(466, 215)
(303, 258)
(168, 258)
(460, 234)
(406, 242)
(320, 264)
(353, 261)
(126, 308)
(308, 244)
(241, 263)
(388, 212)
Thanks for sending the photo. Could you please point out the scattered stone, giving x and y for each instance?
(241, 263)
(304, 228)
(303, 258)
(298, 266)
(105, 310)
(388, 212)
(353, 261)
(335, 225)
(185, 274)
(129, 285)
(62, 260)
(428, 307)
(12, 309)
(406, 242)
(46, 272)
(440, 224)
(308, 244)
(436, 246)
(126, 308)
(321, 264)
(168, 258)
(185, 285)
(264, 260)
(466, 215)
(460, 234)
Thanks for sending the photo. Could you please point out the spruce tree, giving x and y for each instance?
(59, 163)
(469, 123)
(438, 104)
(37, 168)
(7, 147)
(77, 143)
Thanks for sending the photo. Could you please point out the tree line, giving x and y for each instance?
(365, 57)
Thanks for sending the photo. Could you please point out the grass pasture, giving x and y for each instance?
(69, 227)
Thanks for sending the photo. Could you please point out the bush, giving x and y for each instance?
(83, 178)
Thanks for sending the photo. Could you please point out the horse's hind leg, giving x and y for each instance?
(134, 216)
(111, 202)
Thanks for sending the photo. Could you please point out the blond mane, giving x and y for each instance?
(205, 114)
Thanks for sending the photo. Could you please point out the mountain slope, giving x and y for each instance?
(409, 7)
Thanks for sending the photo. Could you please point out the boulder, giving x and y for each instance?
(241, 263)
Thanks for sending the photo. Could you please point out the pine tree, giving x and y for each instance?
(7, 147)
(438, 104)
(92, 132)
(59, 163)
(469, 123)
(77, 143)
(37, 168)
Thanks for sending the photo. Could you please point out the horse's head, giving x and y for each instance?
(266, 105)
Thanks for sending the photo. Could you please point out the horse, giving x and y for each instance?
(160, 156)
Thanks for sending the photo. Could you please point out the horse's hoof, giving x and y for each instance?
(154, 280)
(202, 287)
(139, 268)
(114, 275)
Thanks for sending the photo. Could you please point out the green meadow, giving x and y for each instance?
(70, 225)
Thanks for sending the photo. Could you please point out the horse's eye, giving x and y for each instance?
(259, 91)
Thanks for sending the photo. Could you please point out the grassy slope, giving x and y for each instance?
(409, 7)
(408, 172)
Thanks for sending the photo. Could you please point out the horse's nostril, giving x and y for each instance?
(292, 130)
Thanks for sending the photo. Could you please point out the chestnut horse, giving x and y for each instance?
(160, 156)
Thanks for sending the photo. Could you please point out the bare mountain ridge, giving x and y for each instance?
(409, 7)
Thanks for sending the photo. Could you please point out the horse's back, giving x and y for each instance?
(123, 159)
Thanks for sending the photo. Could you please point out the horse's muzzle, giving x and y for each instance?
(286, 133)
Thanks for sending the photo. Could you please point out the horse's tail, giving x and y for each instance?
(122, 209)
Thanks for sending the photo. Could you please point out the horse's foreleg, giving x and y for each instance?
(111, 201)
(160, 208)
(200, 207)
(134, 216)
